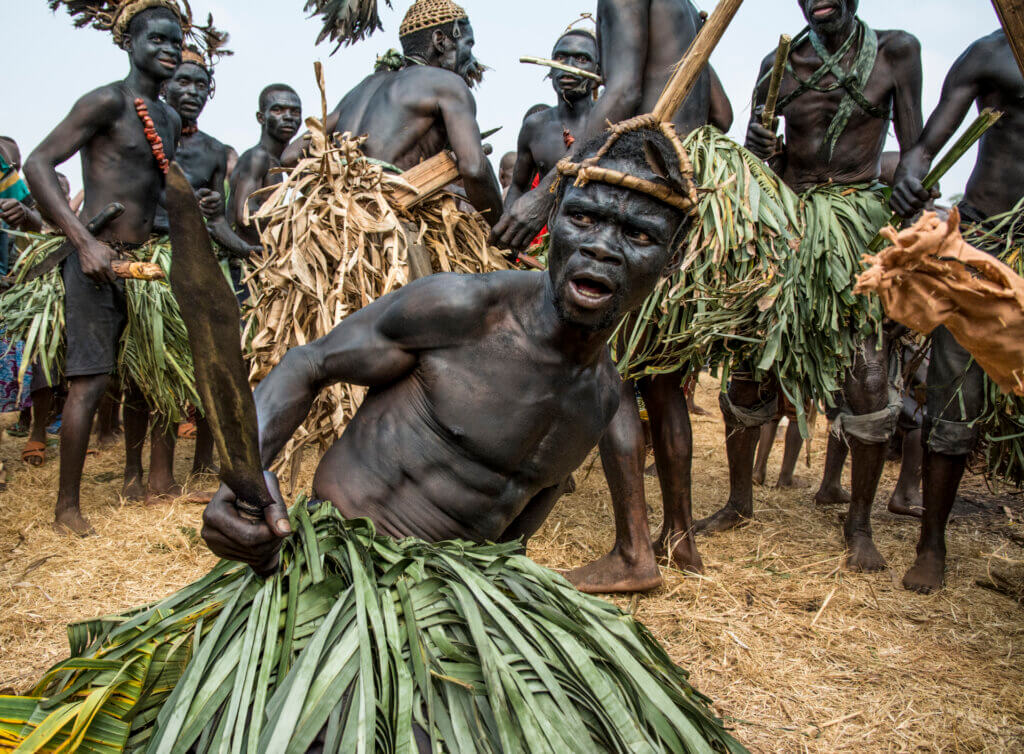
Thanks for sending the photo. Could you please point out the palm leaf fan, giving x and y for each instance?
(346, 21)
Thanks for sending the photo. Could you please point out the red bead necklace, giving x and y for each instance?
(156, 144)
(190, 130)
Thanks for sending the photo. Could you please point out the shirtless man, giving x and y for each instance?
(640, 43)
(204, 161)
(446, 354)
(118, 165)
(414, 113)
(547, 136)
(505, 168)
(986, 75)
(279, 116)
(822, 146)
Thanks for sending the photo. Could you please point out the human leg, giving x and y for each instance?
(765, 443)
(745, 410)
(84, 395)
(673, 454)
(203, 461)
(868, 430)
(790, 456)
(831, 491)
(906, 499)
(136, 427)
(631, 565)
(956, 399)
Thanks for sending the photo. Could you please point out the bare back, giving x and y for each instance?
(398, 112)
(669, 28)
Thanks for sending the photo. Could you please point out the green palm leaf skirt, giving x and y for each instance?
(1002, 424)
(154, 351)
(706, 313)
(362, 643)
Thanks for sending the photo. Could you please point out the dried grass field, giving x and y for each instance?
(798, 655)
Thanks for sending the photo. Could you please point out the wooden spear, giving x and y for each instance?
(775, 83)
(1011, 15)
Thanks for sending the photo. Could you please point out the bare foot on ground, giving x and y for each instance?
(927, 574)
(683, 555)
(792, 483)
(134, 490)
(862, 556)
(904, 505)
(615, 574)
(727, 519)
(832, 496)
(73, 522)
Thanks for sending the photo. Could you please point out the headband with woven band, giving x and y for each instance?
(116, 15)
(426, 14)
(589, 171)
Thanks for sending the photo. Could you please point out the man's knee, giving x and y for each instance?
(746, 405)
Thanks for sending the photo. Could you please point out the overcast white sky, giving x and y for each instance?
(47, 64)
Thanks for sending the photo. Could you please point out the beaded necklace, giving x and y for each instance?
(156, 144)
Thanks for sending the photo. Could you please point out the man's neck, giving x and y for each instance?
(272, 145)
(573, 109)
(579, 345)
(143, 85)
(836, 39)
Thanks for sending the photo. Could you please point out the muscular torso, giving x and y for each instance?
(672, 27)
(546, 135)
(997, 183)
(118, 166)
(858, 153)
(459, 446)
(398, 113)
(199, 155)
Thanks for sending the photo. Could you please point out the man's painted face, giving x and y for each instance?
(188, 90)
(283, 115)
(609, 247)
(459, 57)
(579, 51)
(825, 16)
(155, 47)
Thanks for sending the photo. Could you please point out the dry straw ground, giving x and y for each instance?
(798, 655)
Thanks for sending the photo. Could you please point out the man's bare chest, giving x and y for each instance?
(199, 163)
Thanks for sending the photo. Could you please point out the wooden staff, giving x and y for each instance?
(697, 57)
(775, 83)
(1011, 15)
(578, 72)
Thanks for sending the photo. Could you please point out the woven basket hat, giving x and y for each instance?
(131, 9)
(426, 14)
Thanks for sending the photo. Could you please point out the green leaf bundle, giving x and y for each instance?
(362, 643)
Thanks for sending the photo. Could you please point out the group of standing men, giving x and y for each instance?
(843, 83)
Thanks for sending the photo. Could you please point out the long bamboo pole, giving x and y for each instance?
(697, 57)
(1011, 15)
(775, 83)
(578, 72)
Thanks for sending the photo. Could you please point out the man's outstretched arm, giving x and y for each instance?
(960, 90)
(374, 347)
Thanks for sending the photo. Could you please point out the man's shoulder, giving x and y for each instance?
(539, 119)
(107, 100)
(254, 158)
(986, 49)
(434, 80)
(458, 292)
(899, 45)
(213, 144)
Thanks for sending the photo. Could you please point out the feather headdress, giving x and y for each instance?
(115, 15)
(345, 21)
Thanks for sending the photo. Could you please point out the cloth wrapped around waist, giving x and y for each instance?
(362, 638)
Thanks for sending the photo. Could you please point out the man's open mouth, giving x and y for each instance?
(568, 82)
(591, 291)
(824, 11)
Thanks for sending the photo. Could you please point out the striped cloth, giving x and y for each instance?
(11, 187)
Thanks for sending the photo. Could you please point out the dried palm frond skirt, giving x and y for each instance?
(1002, 445)
(154, 351)
(336, 239)
(364, 643)
(705, 314)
